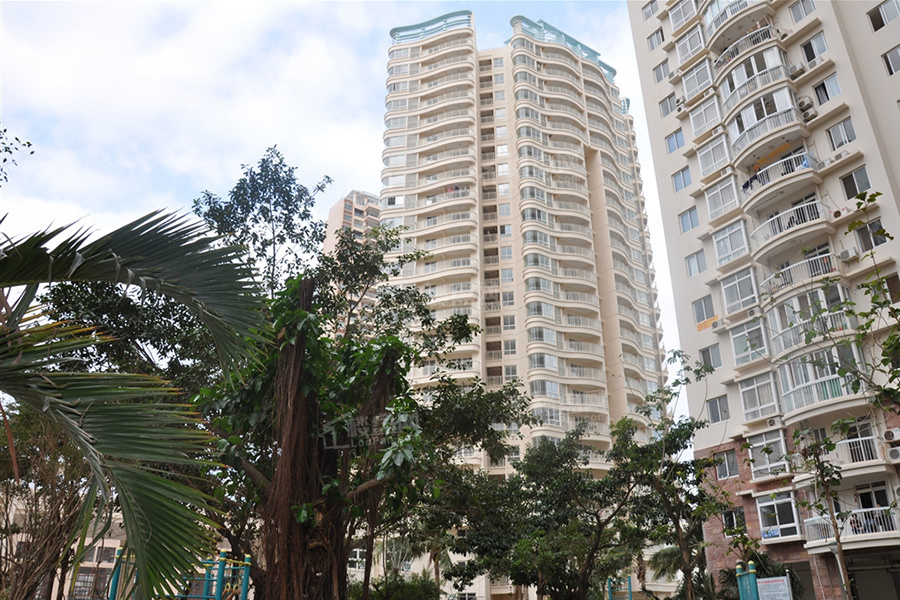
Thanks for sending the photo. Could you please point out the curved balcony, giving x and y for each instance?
(767, 125)
(456, 59)
(462, 220)
(821, 324)
(802, 272)
(444, 23)
(754, 84)
(734, 16)
(465, 76)
(437, 139)
(815, 392)
(448, 115)
(751, 40)
(798, 216)
(779, 180)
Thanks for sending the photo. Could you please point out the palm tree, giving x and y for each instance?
(125, 425)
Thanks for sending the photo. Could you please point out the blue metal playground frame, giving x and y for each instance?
(217, 579)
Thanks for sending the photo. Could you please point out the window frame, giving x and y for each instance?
(715, 405)
(892, 60)
(803, 8)
(881, 15)
(854, 177)
(675, 140)
(699, 261)
(714, 356)
(661, 71)
(841, 127)
(682, 178)
(703, 309)
(656, 39)
(693, 219)
(827, 89)
(728, 460)
(782, 529)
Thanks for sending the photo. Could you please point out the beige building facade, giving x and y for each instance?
(516, 168)
(766, 118)
(357, 211)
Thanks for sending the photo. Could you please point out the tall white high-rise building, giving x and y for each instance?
(516, 168)
(766, 118)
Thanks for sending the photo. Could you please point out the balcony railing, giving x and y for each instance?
(594, 400)
(814, 392)
(760, 80)
(780, 223)
(722, 17)
(748, 41)
(856, 450)
(782, 168)
(770, 123)
(796, 334)
(811, 268)
(859, 522)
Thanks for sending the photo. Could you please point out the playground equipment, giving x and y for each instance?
(217, 579)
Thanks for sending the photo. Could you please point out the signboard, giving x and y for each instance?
(707, 323)
(774, 588)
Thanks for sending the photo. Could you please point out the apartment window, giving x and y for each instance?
(498, 62)
(777, 515)
(856, 182)
(721, 197)
(815, 47)
(681, 12)
(656, 38)
(498, 78)
(713, 155)
(718, 409)
(842, 133)
(542, 387)
(892, 60)
(505, 231)
(681, 179)
(758, 397)
(661, 71)
(509, 347)
(730, 242)
(689, 44)
(697, 79)
(541, 360)
(749, 342)
(502, 150)
(726, 464)
(508, 298)
(870, 235)
(504, 210)
(503, 169)
(509, 322)
(510, 372)
(547, 416)
(733, 521)
(506, 275)
(711, 357)
(506, 253)
(90, 583)
(828, 89)
(884, 14)
(739, 290)
(667, 105)
(703, 309)
(767, 454)
(675, 141)
(499, 96)
(649, 9)
(689, 219)
(357, 560)
(696, 263)
(705, 116)
(799, 10)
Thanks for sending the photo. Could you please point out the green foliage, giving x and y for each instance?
(9, 147)
(270, 214)
(124, 424)
(766, 566)
(397, 587)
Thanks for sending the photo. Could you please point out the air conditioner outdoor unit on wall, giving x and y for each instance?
(894, 455)
(751, 312)
(810, 114)
(804, 102)
(772, 422)
(892, 435)
(848, 254)
(797, 70)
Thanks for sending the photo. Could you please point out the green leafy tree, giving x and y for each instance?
(270, 214)
(125, 425)
(9, 147)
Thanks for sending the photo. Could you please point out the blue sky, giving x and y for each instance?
(134, 106)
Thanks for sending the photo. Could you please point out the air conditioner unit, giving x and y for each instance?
(841, 155)
(679, 109)
(809, 115)
(715, 325)
(852, 253)
(784, 35)
(726, 171)
(894, 455)
(752, 312)
(674, 74)
(709, 93)
(772, 422)
(718, 130)
(797, 70)
(679, 100)
(815, 62)
(804, 102)
(892, 435)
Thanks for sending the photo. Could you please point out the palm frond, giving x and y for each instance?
(162, 252)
